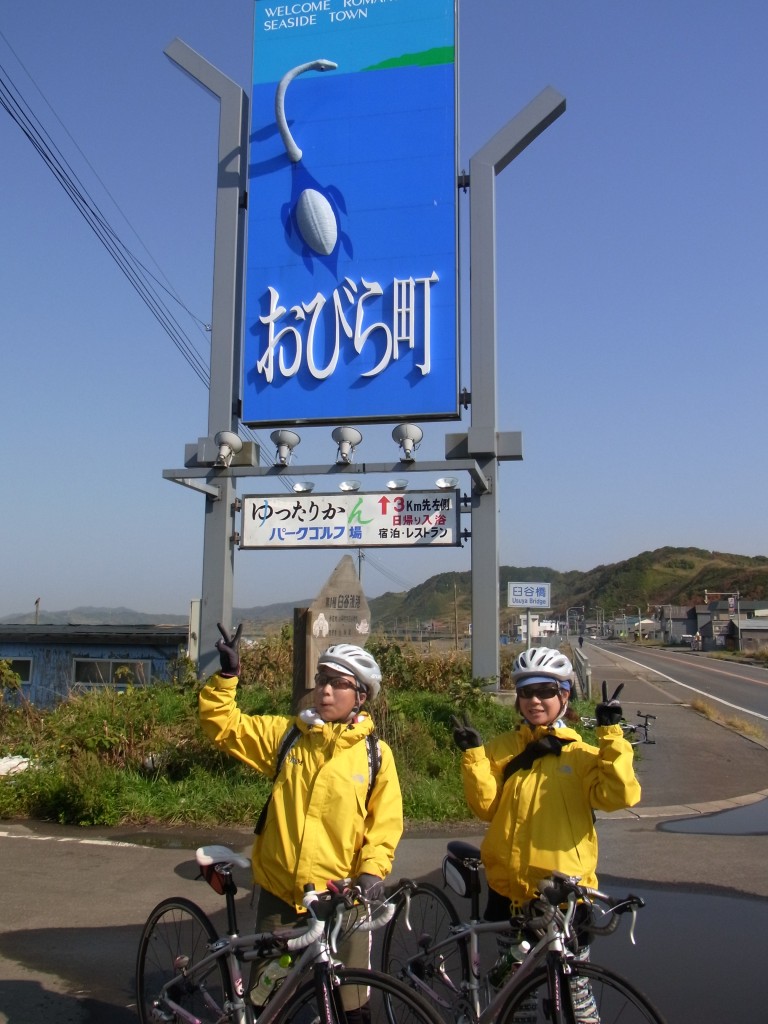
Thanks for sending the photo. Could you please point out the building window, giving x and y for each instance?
(92, 672)
(22, 667)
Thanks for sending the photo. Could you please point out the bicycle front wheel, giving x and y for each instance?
(590, 995)
(359, 997)
(177, 936)
(409, 954)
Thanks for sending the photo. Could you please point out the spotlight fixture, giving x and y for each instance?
(349, 485)
(303, 487)
(285, 441)
(229, 444)
(397, 485)
(347, 439)
(446, 483)
(408, 436)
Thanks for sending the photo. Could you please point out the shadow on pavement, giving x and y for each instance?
(750, 820)
(26, 1001)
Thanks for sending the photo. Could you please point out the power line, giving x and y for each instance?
(135, 271)
(388, 574)
(22, 115)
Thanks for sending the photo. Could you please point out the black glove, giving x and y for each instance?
(609, 712)
(548, 744)
(229, 651)
(369, 885)
(465, 736)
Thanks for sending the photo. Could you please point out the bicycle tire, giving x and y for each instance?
(616, 1000)
(178, 928)
(432, 914)
(384, 1000)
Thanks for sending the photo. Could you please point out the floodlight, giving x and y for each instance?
(347, 439)
(229, 444)
(397, 485)
(303, 486)
(408, 436)
(286, 441)
(349, 485)
(446, 483)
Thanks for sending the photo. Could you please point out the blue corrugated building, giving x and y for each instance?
(54, 661)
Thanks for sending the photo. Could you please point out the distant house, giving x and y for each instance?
(750, 633)
(54, 661)
(676, 622)
(720, 627)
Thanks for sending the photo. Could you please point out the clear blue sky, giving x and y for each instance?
(632, 315)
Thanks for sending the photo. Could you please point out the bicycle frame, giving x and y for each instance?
(549, 946)
(236, 949)
(551, 950)
(636, 733)
(317, 942)
(470, 933)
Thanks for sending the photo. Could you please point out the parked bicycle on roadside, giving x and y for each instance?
(430, 947)
(186, 973)
(637, 733)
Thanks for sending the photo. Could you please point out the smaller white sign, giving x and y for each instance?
(528, 595)
(375, 519)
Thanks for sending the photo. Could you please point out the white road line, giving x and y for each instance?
(68, 839)
(685, 686)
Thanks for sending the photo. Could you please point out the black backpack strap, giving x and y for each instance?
(374, 762)
(286, 743)
(288, 740)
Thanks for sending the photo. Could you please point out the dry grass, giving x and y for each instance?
(742, 725)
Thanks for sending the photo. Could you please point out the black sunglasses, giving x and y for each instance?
(335, 682)
(544, 691)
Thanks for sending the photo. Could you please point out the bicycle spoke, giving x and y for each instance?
(176, 936)
(408, 955)
(593, 995)
(360, 997)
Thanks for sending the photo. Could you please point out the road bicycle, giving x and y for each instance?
(428, 946)
(189, 974)
(636, 732)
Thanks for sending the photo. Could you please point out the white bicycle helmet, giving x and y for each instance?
(540, 664)
(358, 662)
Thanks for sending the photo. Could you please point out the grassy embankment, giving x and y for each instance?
(104, 758)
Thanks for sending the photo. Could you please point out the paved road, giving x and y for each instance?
(73, 902)
(731, 689)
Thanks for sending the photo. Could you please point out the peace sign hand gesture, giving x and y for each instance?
(229, 650)
(465, 736)
(608, 711)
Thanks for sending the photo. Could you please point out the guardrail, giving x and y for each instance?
(583, 674)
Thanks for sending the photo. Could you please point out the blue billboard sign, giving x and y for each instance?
(351, 284)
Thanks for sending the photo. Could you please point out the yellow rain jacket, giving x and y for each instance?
(541, 818)
(318, 827)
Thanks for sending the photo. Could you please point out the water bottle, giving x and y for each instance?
(512, 955)
(270, 979)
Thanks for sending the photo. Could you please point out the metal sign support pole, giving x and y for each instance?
(226, 340)
(483, 441)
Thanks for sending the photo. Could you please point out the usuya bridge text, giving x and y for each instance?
(297, 336)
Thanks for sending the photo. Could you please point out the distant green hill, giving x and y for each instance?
(677, 576)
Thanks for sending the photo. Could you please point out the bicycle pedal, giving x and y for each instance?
(161, 1016)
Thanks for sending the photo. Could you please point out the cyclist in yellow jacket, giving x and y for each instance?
(539, 784)
(321, 823)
